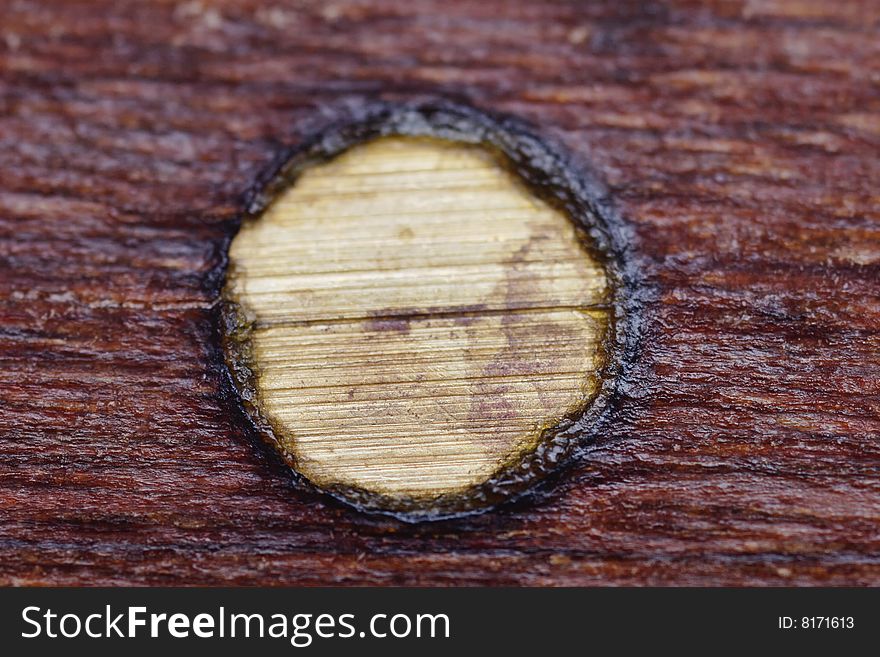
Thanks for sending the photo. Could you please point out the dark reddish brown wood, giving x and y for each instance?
(740, 140)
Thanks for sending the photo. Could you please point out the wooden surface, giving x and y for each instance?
(416, 318)
(739, 141)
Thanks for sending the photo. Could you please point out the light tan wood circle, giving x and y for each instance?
(418, 317)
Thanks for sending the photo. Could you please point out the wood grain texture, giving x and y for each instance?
(416, 318)
(739, 139)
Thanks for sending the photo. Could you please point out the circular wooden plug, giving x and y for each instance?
(415, 321)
